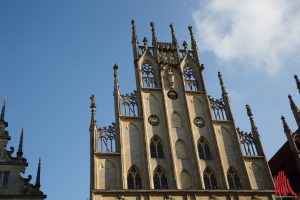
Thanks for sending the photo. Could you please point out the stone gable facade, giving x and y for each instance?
(170, 139)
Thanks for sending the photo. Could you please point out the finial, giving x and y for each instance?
(250, 115)
(224, 93)
(295, 110)
(38, 176)
(145, 41)
(20, 149)
(154, 39)
(174, 39)
(286, 127)
(292, 103)
(134, 35)
(116, 81)
(185, 46)
(93, 110)
(193, 41)
(3, 109)
(297, 82)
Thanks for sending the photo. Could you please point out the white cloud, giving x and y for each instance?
(261, 34)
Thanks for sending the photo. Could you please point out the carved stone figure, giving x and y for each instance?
(171, 78)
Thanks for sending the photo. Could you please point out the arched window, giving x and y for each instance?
(156, 148)
(233, 179)
(134, 180)
(190, 79)
(160, 178)
(203, 149)
(210, 180)
(148, 77)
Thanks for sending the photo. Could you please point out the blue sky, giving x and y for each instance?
(55, 54)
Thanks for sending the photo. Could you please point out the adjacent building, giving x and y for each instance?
(287, 158)
(170, 139)
(12, 185)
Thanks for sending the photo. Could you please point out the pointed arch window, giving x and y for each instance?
(148, 76)
(134, 180)
(156, 148)
(190, 79)
(160, 179)
(203, 149)
(233, 179)
(210, 180)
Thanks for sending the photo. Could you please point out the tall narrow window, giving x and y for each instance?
(190, 79)
(4, 179)
(160, 179)
(203, 149)
(148, 77)
(210, 180)
(156, 148)
(233, 179)
(134, 180)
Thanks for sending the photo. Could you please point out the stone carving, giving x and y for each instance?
(171, 78)
(248, 143)
(199, 122)
(172, 94)
(107, 138)
(153, 120)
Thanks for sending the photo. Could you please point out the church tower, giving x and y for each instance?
(170, 139)
(12, 185)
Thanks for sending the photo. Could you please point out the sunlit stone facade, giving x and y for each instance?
(170, 139)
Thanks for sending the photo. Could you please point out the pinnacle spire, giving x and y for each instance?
(38, 176)
(174, 39)
(145, 41)
(295, 110)
(3, 109)
(224, 92)
(286, 127)
(185, 46)
(154, 39)
(93, 110)
(193, 41)
(116, 80)
(297, 82)
(250, 115)
(134, 35)
(20, 149)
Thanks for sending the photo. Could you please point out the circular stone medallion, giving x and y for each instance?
(172, 94)
(153, 120)
(199, 122)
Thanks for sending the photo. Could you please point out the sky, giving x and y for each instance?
(55, 54)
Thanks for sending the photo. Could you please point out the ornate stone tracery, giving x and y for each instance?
(129, 104)
(218, 108)
(148, 76)
(190, 79)
(107, 139)
(248, 143)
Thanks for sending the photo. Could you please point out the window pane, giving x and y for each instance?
(207, 152)
(213, 180)
(138, 181)
(160, 150)
(206, 182)
(200, 151)
(153, 150)
(156, 182)
(164, 181)
(130, 182)
(230, 182)
(5, 178)
(237, 182)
